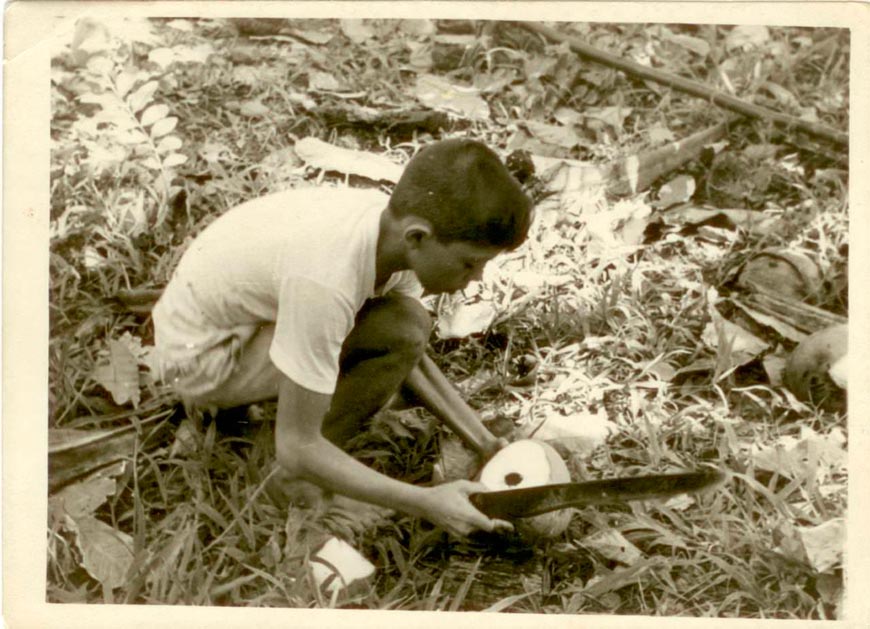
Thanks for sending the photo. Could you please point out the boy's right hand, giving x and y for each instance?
(448, 507)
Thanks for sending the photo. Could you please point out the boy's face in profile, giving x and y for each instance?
(449, 267)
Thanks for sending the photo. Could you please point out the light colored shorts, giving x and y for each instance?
(215, 368)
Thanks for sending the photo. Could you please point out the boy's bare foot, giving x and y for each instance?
(285, 491)
(350, 518)
(345, 516)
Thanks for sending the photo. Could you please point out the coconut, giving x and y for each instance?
(529, 463)
(808, 369)
(781, 272)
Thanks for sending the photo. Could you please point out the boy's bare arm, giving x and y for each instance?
(431, 386)
(305, 453)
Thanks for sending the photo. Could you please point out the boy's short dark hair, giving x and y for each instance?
(465, 191)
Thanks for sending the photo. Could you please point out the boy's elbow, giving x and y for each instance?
(289, 462)
(289, 455)
(295, 458)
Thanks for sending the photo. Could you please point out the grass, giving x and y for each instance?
(607, 333)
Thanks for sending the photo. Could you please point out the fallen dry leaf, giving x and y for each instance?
(747, 37)
(578, 432)
(357, 30)
(700, 47)
(824, 543)
(565, 137)
(120, 374)
(435, 92)
(793, 457)
(107, 553)
(612, 545)
(326, 156)
(253, 109)
(466, 319)
(612, 116)
(741, 345)
(678, 190)
(82, 498)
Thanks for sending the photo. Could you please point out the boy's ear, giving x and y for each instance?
(416, 230)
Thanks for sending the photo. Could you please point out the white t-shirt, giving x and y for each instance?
(304, 259)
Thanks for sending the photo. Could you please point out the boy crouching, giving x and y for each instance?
(312, 296)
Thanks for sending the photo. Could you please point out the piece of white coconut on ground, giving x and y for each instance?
(578, 433)
(337, 565)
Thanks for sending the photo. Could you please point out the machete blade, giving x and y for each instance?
(530, 501)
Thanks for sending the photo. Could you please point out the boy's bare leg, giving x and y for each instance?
(385, 349)
(386, 343)
(439, 397)
(388, 340)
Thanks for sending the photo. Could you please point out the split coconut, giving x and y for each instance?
(781, 272)
(815, 371)
(529, 463)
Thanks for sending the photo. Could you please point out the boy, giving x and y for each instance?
(312, 295)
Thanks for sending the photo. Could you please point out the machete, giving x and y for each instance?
(530, 501)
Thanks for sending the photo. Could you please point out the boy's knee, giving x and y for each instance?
(398, 322)
(412, 319)
(409, 326)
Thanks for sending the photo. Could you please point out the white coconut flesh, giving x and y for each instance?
(524, 463)
(529, 463)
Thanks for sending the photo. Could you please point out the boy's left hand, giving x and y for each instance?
(494, 445)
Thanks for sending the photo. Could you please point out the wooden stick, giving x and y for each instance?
(636, 173)
(394, 121)
(688, 86)
(139, 300)
(805, 317)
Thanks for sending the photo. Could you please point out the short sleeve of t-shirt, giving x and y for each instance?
(313, 321)
(405, 283)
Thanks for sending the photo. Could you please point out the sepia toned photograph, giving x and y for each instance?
(438, 314)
